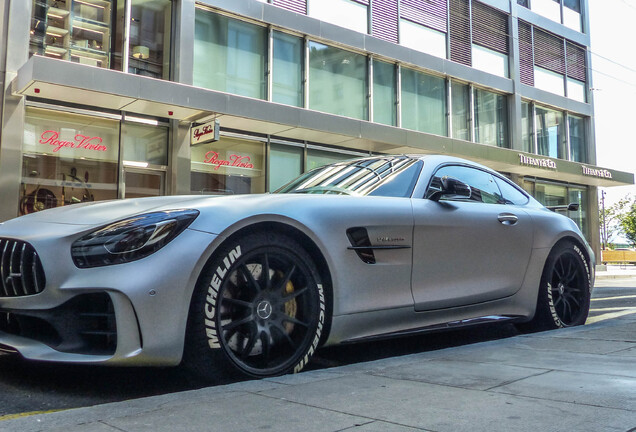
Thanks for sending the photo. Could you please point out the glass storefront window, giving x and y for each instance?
(337, 81)
(423, 102)
(579, 195)
(67, 159)
(140, 183)
(384, 93)
(229, 166)
(285, 164)
(460, 106)
(576, 129)
(491, 118)
(149, 40)
(229, 55)
(317, 158)
(79, 31)
(145, 144)
(287, 70)
(527, 137)
(549, 127)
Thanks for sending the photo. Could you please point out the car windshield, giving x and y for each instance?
(380, 176)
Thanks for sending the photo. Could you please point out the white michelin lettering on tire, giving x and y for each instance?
(213, 291)
(314, 343)
(587, 267)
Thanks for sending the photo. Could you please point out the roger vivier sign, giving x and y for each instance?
(86, 142)
(537, 162)
(207, 132)
(233, 160)
(596, 172)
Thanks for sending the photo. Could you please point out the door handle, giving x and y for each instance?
(507, 218)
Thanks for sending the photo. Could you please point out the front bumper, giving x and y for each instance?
(126, 314)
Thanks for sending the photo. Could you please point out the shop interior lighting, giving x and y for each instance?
(150, 122)
(135, 164)
(90, 4)
(88, 30)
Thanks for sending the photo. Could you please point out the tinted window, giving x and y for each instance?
(482, 184)
(511, 194)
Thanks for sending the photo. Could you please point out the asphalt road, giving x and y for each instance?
(28, 387)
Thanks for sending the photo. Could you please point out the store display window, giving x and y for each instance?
(67, 159)
(229, 166)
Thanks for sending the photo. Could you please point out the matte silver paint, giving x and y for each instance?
(460, 263)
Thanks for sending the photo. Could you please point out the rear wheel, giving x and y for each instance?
(258, 310)
(564, 292)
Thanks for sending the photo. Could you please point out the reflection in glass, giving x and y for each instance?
(79, 31)
(150, 38)
(143, 184)
(229, 55)
(337, 81)
(423, 102)
(384, 93)
(549, 126)
(285, 164)
(227, 167)
(316, 158)
(67, 159)
(576, 129)
(148, 144)
(491, 118)
(460, 105)
(579, 195)
(287, 69)
(527, 140)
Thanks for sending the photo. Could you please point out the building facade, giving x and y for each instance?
(108, 99)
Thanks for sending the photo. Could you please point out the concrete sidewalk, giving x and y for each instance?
(616, 272)
(578, 379)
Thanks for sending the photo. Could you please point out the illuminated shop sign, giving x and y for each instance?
(207, 132)
(233, 160)
(80, 141)
(596, 172)
(537, 162)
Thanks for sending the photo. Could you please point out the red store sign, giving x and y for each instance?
(51, 137)
(235, 161)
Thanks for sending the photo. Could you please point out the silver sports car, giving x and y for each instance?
(254, 284)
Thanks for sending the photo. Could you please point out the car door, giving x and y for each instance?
(468, 250)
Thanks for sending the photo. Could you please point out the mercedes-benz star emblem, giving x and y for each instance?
(264, 309)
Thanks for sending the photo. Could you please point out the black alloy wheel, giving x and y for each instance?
(565, 290)
(267, 311)
(258, 310)
(568, 288)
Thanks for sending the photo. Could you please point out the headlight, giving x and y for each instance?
(130, 239)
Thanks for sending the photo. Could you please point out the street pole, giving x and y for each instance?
(604, 216)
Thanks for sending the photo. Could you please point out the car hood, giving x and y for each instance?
(101, 212)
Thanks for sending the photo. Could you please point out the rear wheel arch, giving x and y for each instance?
(566, 276)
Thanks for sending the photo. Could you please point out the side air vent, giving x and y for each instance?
(360, 243)
(20, 269)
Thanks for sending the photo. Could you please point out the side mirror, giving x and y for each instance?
(450, 187)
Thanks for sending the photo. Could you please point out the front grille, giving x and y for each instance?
(83, 325)
(20, 269)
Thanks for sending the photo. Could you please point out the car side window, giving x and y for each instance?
(482, 184)
(511, 194)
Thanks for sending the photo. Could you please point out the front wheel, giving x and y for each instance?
(564, 292)
(259, 310)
